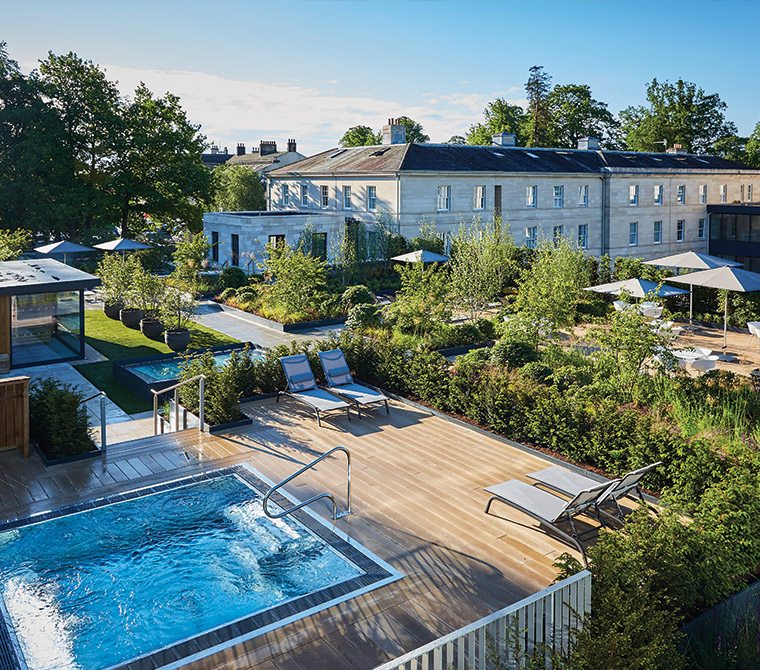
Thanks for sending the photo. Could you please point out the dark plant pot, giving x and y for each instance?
(131, 317)
(151, 328)
(177, 340)
(112, 311)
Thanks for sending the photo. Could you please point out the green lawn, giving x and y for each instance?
(115, 341)
(101, 376)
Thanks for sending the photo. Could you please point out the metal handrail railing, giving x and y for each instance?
(335, 514)
(248, 266)
(175, 388)
(102, 395)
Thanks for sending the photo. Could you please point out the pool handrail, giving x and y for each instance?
(290, 510)
(201, 379)
(102, 395)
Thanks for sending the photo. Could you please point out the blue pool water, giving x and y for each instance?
(169, 369)
(100, 587)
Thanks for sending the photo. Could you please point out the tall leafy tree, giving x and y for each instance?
(681, 113)
(360, 136)
(537, 88)
(498, 116)
(732, 147)
(237, 188)
(89, 108)
(752, 155)
(158, 169)
(414, 131)
(574, 113)
(36, 170)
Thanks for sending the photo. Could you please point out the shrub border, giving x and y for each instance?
(276, 325)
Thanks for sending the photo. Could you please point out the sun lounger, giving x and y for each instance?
(303, 387)
(570, 483)
(340, 381)
(548, 509)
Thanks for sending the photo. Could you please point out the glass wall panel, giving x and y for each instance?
(45, 327)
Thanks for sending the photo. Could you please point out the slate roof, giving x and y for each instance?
(255, 159)
(456, 158)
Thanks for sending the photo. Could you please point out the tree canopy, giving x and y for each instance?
(573, 114)
(237, 188)
(360, 136)
(679, 113)
(414, 131)
(499, 116)
(537, 88)
(77, 158)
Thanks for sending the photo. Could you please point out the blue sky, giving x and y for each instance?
(309, 69)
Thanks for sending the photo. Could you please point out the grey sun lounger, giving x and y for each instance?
(548, 509)
(340, 381)
(303, 387)
(570, 483)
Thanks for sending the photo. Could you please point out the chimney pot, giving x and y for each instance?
(241, 149)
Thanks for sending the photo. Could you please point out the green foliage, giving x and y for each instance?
(421, 303)
(298, 278)
(222, 386)
(178, 307)
(498, 116)
(190, 255)
(414, 131)
(116, 274)
(13, 243)
(237, 188)
(428, 239)
(480, 258)
(537, 89)
(575, 114)
(57, 420)
(356, 295)
(676, 113)
(363, 316)
(551, 289)
(147, 293)
(603, 272)
(232, 277)
(359, 136)
(512, 354)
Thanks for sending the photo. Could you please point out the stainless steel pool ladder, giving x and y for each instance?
(335, 514)
(102, 395)
(201, 379)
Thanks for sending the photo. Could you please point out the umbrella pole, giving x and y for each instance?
(691, 304)
(723, 356)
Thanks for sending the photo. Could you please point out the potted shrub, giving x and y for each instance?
(131, 269)
(150, 292)
(112, 284)
(177, 311)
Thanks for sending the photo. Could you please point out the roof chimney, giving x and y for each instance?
(240, 149)
(677, 149)
(504, 139)
(394, 133)
(291, 146)
(588, 144)
(214, 149)
(266, 148)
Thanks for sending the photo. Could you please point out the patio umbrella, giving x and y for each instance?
(63, 247)
(692, 260)
(123, 245)
(727, 279)
(421, 255)
(637, 288)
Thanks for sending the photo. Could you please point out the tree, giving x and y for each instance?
(360, 136)
(427, 239)
(36, 170)
(158, 170)
(457, 140)
(89, 109)
(537, 87)
(479, 260)
(189, 256)
(13, 243)
(237, 188)
(299, 278)
(552, 288)
(499, 116)
(752, 156)
(414, 130)
(575, 114)
(676, 113)
(421, 302)
(732, 147)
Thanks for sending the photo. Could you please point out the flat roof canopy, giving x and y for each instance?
(42, 276)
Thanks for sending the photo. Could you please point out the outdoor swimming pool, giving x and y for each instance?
(160, 568)
(169, 370)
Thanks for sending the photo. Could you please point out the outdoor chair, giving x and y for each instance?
(571, 483)
(754, 331)
(303, 387)
(654, 312)
(548, 509)
(702, 365)
(340, 381)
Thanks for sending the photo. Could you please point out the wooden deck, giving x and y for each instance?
(418, 500)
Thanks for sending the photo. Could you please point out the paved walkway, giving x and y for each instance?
(235, 324)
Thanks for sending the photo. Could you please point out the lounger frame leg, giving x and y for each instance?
(387, 409)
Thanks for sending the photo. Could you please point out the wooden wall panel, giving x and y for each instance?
(14, 414)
